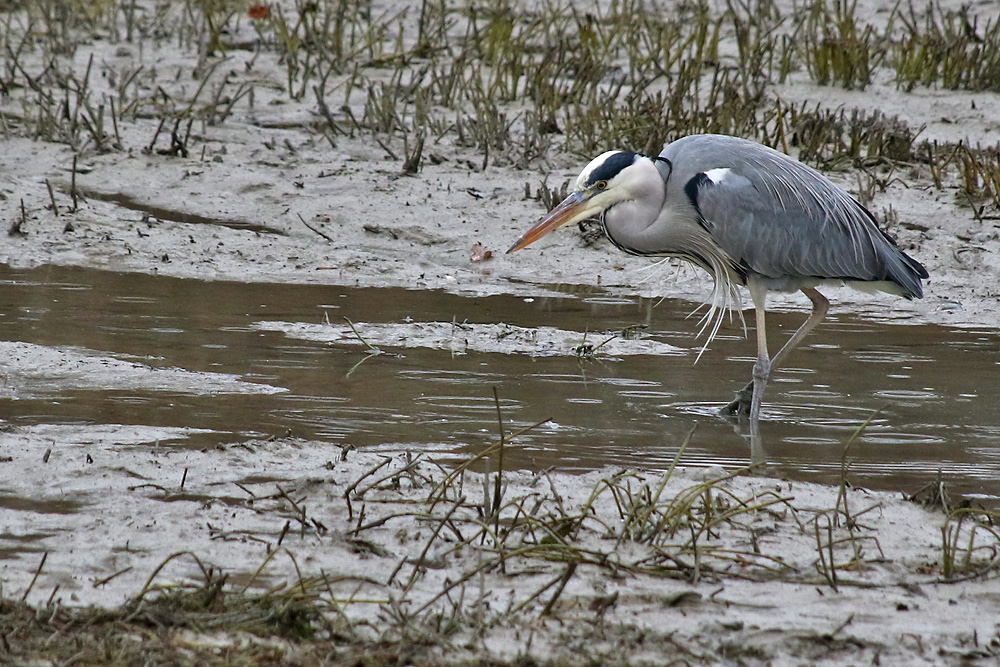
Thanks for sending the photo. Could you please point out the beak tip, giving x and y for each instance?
(567, 211)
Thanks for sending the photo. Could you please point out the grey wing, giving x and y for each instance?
(784, 221)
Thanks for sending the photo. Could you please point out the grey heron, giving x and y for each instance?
(750, 216)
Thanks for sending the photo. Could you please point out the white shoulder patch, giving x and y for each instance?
(718, 175)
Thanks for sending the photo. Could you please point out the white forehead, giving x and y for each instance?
(584, 176)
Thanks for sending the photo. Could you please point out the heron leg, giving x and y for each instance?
(761, 373)
(820, 308)
(742, 403)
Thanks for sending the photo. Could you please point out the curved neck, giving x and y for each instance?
(627, 220)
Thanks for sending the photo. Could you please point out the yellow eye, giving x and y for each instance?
(600, 185)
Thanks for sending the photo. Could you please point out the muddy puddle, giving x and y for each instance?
(281, 359)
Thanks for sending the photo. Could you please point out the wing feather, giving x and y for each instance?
(782, 220)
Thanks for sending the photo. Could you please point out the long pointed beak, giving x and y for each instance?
(571, 209)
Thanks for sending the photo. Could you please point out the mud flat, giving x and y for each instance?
(225, 164)
(302, 552)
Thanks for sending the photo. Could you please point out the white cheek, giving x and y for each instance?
(607, 198)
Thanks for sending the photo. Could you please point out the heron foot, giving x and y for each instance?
(740, 405)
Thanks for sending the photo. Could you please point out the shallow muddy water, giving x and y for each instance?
(932, 386)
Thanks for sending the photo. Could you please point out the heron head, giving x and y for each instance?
(610, 178)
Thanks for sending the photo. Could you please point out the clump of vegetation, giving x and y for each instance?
(837, 50)
(953, 49)
(460, 555)
(842, 138)
(969, 540)
(520, 84)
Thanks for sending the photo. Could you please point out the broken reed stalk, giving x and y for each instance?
(350, 489)
(119, 144)
(497, 487)
(321, 233)
(284, 531)
(410, 467)
(260, 568)
(427, 547)
(298, 572)
(149, 582)
(52, 198)
(826, 564)
(664, 478)
(567, 575)
(844, 466)
(17, 226)
(100, 582)
(72, 184)
(433, 497)
(38, 571)
(412, 163)
(156, 135)
(372, 349)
